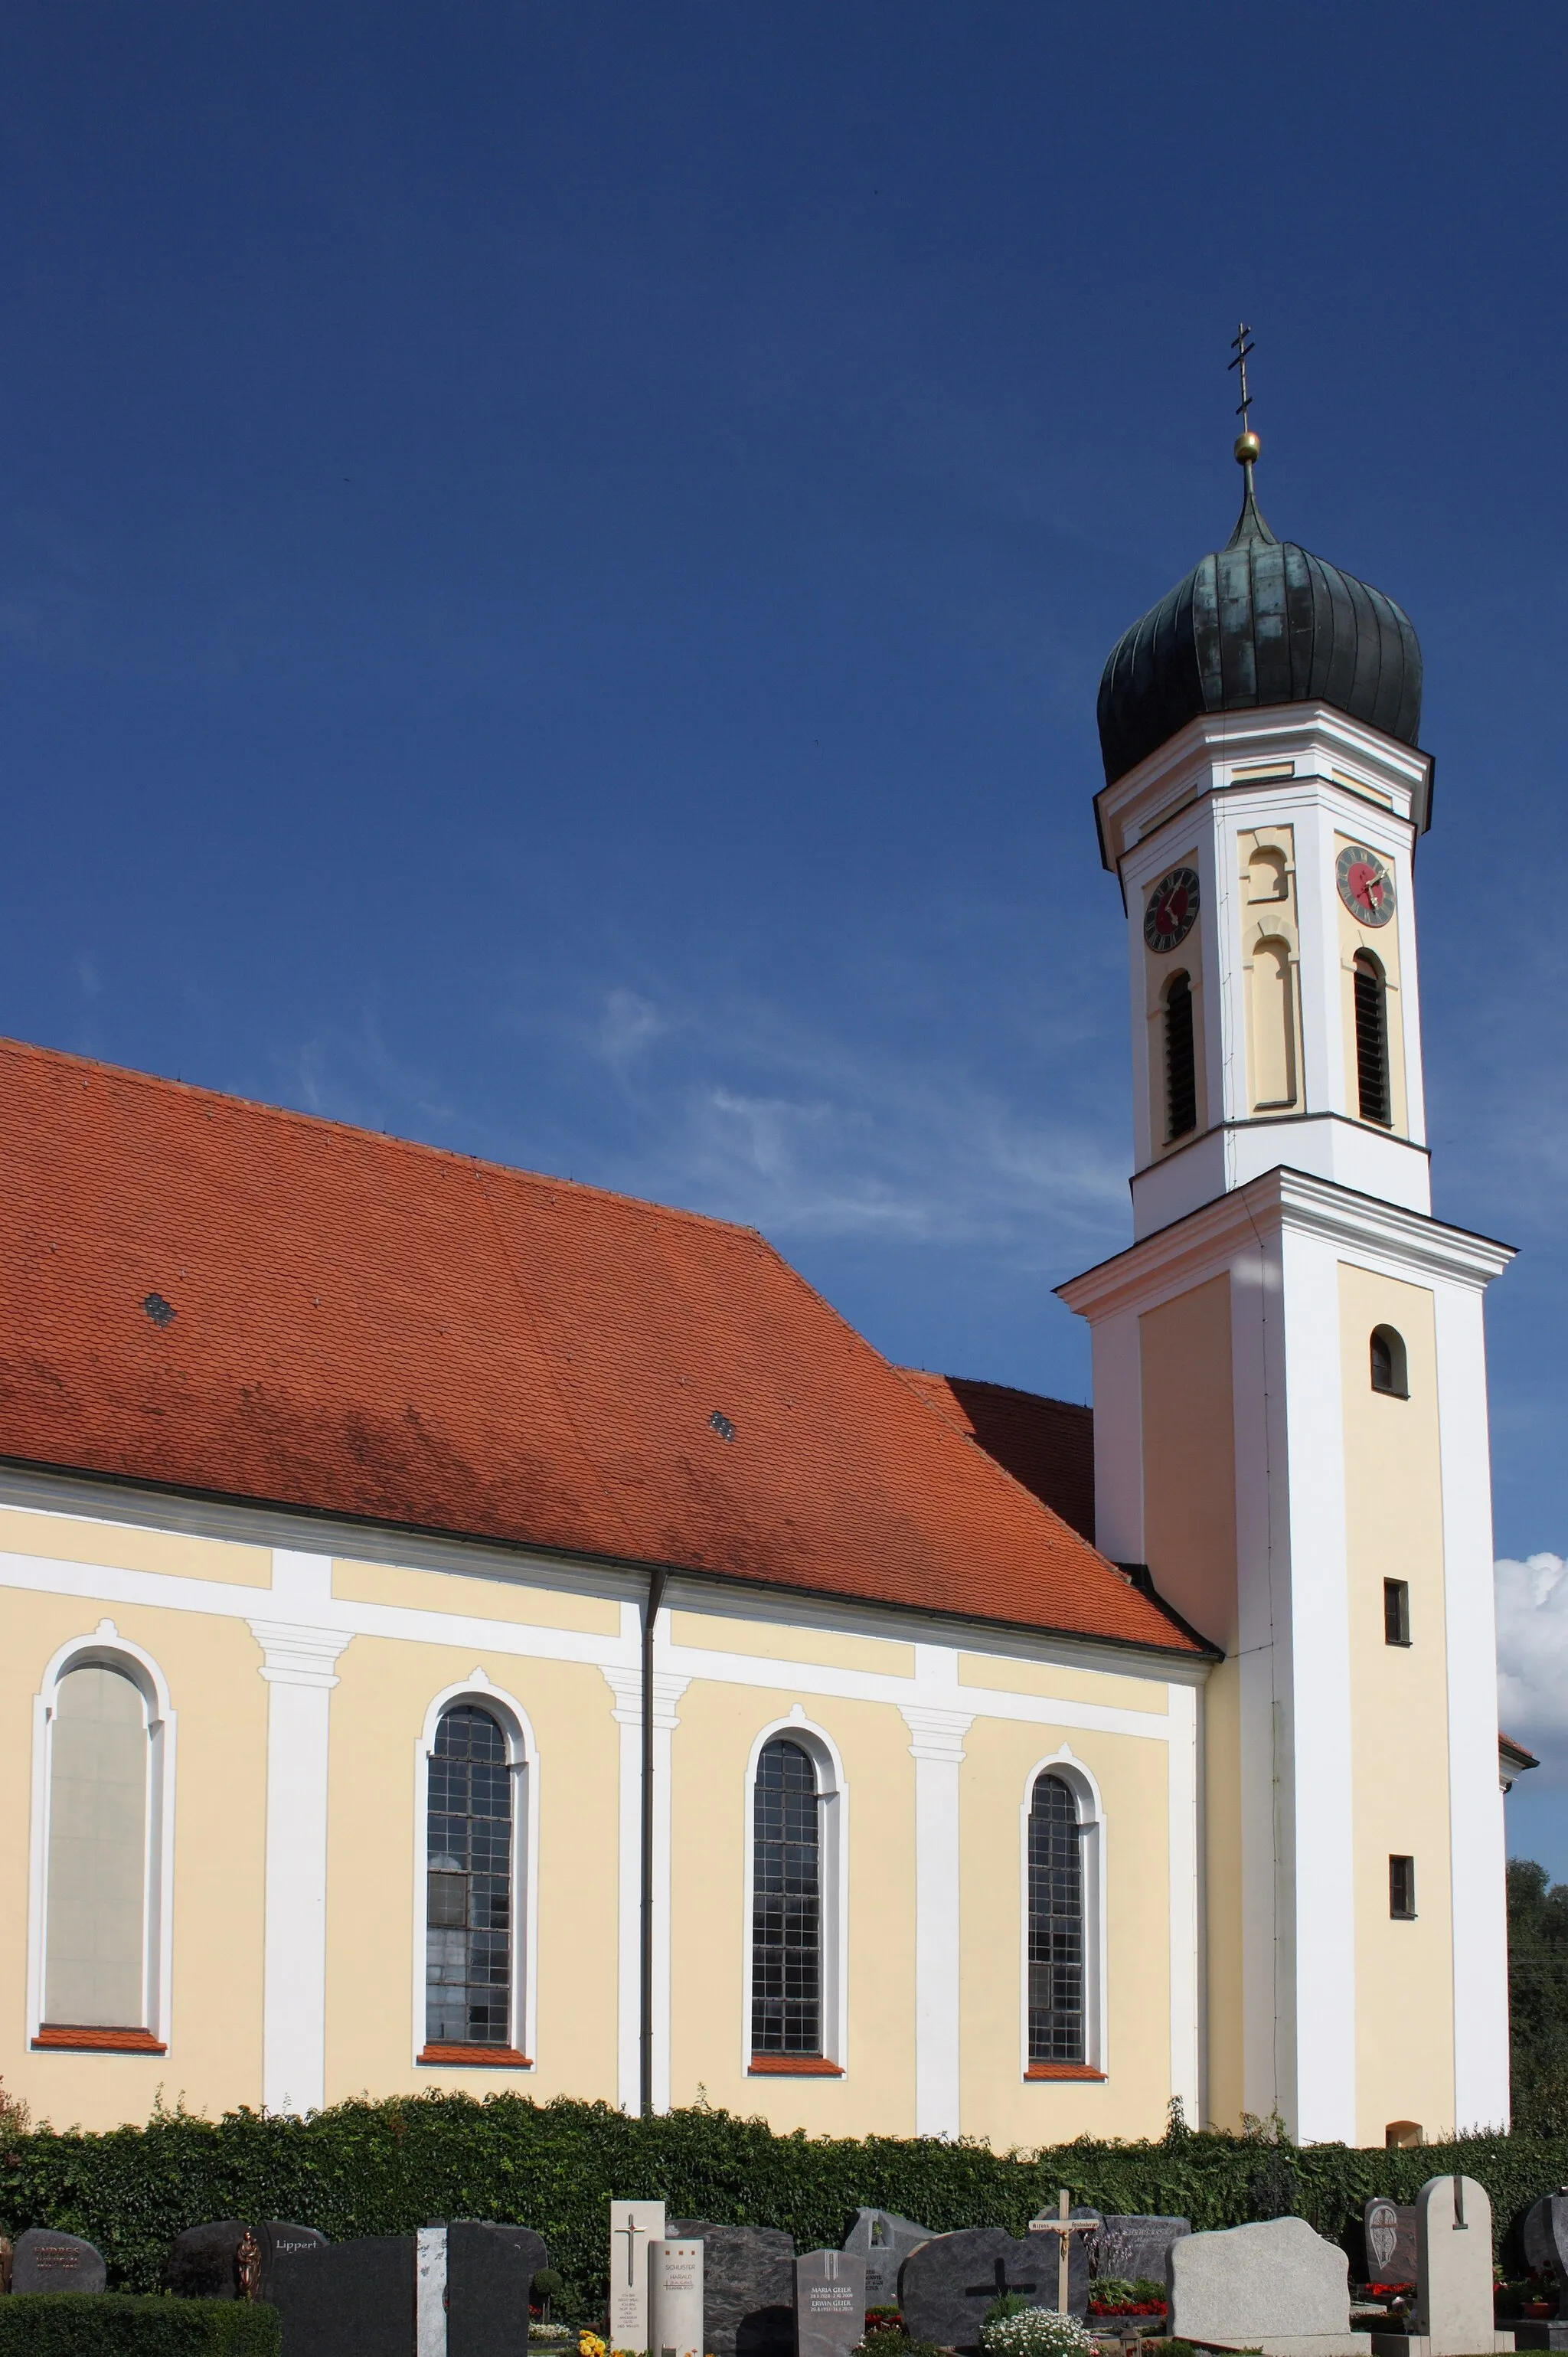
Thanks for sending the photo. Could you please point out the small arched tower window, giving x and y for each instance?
(1181, 1068)
(1373, 1040)
(469, 1906)
(1390, 1367)
(786, 1903)
(97, 1910)
(1266, 879)
(1056, 1924)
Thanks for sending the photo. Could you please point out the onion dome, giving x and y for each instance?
(1258, 622)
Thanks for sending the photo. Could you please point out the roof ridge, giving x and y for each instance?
(988, 1383)
(382, 1137)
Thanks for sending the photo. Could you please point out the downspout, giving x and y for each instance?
(645, 2026)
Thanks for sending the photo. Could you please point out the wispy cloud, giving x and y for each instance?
(1532, 1657)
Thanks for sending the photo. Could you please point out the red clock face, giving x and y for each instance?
(1365, 885)
(1172, 910)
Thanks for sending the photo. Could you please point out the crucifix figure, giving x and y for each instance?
(1064, 2226)
(630, 2231)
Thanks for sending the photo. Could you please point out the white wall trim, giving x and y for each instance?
(106, 1649)
(626, 1686)
(833, 1855)
(938, 1727)
(1083, 1785)
(1185, 1907)
(523, 1760)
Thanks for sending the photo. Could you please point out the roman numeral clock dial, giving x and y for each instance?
(1172, 910)
(1365, 885)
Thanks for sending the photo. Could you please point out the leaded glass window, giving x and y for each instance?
(95, 1965)
(787, 1904)
(1056, 1924)
(469, 1920)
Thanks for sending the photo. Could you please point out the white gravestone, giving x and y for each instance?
(429, 2292)
(675, 2299)
(635, 2227)
(1276, 2286)
(1453, 2314)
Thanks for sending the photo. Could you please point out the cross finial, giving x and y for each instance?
(1246, 443)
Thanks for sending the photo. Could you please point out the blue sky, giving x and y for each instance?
(556, 561)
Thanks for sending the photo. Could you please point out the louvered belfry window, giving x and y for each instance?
(1056, 1924)
(786, 1904)
(1373, 1040)
(469, 1920)
(1181, 1068)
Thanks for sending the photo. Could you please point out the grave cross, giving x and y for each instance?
(631, 2230)
(1065, 2227)
(999, 2288)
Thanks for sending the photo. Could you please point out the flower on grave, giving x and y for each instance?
(1036, 2332)
(590, 2345)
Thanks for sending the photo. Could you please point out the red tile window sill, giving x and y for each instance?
(1063, 2071)
(794, 2066)
(479, 2058)
(73, 2038)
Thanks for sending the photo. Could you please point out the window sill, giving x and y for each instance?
(794, 2066)
(1063, 2071)
(478, 2057)
(75, 2038)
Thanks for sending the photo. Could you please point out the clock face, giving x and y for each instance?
(1172, 910)
(1365, 885)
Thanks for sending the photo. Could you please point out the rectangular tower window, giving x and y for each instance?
(1181, 1062)
(1396, 1612)
(1371, 1041)
(1401, 1890)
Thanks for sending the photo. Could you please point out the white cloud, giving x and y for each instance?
(1532, 1657)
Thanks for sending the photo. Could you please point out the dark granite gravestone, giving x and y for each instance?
(277, 2239)
(1136, 2247)
(1389, 2229)
(829, 2303)
(45, 2261)
(884, 2241)
(945, 2285)
(202, 2263)
(748, 2286)
(489, 2274)
(347, 2299)
(1545, 2237)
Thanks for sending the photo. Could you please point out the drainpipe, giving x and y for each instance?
(645, 2028)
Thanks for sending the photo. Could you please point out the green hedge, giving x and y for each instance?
(123, 2324)
(380, 2169)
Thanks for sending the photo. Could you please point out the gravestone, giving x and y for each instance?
(347, 2299)
(829, 2303)
(1453, 2313)
(634, 2225)
(1389, 2230)
(748, 2287)
(1545, 2237)
(203, 2261)
(945, 2285)
(45, 2261)
(884, 2241)
(1080, 2245)
(675, 2307)
(489, 2278)
(1275, 2285)
(1135, 2247)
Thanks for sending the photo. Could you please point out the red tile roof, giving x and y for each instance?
(366, 1328)
(1047, 1444)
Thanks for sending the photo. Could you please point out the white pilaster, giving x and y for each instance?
(667, 1688)
(1185, 1897)
(298, 1663)
(627, 1687)
(938, 1730)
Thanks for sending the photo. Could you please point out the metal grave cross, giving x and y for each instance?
(1064, 2226)
(631, 2230)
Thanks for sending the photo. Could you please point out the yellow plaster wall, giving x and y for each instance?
(64, 1538)
(483, 1599)
(373, 1856)
(997, 2101)
(719, 1724)
(1189, 1488)
(211, 1664)
(787, 1641)
(1393, 1498)
(1158, 967)
(1270, 916)
(1383, 943)
(1053, 1681)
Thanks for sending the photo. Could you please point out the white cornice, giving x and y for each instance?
(296, 1656)
(1283, 1200)
(939, 1734)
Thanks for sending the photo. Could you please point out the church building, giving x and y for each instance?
(466, 1629)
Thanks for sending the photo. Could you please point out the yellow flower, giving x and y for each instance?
(590, 2345)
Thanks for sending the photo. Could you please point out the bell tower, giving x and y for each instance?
(1289, 1363)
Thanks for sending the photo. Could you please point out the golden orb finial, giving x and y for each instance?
(1248, 449)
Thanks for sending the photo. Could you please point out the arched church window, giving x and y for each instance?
(786, 1903)
(469, 1906)
(97, 1910)
(1390, 1371)
(1181, 1068)
(1056, 1924)
(1373, 1040)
